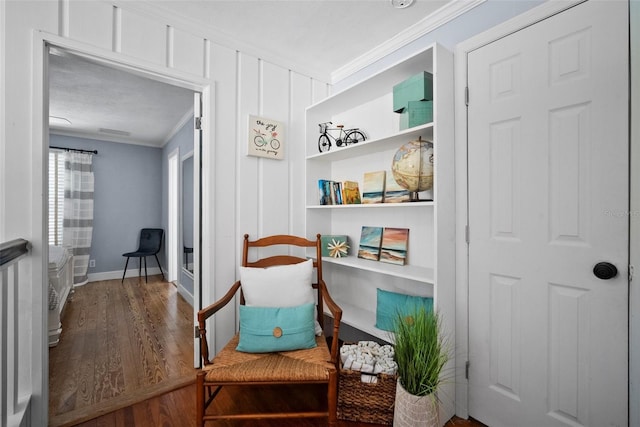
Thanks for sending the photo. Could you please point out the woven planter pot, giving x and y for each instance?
(415, 411)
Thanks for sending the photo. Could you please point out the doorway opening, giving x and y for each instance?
(143, 180)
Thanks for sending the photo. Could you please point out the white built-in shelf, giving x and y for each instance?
(361, 319)
(374, 145)
(368, 105)
(370, 88)
(373, 205)
(410, 272)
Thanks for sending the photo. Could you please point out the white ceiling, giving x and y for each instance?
(322, 35)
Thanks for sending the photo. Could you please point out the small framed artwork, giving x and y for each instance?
(265, 138)
(370, 240)
(393, 192)
(373, 187)
(394, 245)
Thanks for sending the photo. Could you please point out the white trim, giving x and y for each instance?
(185, 294)
(3, 6)
(40, 143)
(154, 8)
(39, 357)
(440, 17)
(102, 137)
(511, 26)
(634, 223)
(117, 274)
(174, 214)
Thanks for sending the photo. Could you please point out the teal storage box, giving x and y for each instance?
(415, 88)
(417, 113)
(335, 246)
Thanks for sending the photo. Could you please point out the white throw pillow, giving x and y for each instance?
(279, 286)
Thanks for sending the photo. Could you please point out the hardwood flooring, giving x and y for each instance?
(121, 343)
(125, 359)
(178, 409)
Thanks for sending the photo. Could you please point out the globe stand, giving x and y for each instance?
(414, 196)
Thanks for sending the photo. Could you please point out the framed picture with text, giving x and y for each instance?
(265, 138)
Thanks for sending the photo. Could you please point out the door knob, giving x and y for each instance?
(605, 270)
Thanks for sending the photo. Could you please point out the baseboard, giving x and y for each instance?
(110, 275)
(185, 294)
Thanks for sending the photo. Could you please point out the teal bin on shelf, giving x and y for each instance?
(415, 88)
(417, 113)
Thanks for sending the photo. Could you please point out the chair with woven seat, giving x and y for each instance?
(149, 245)
(281, 339)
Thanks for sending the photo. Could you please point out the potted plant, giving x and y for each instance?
(421, 353)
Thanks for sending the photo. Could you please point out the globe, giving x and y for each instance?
(412, 166)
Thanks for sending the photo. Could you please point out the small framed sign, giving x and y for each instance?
(266, 138)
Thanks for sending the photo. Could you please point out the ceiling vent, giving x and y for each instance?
(115, 132)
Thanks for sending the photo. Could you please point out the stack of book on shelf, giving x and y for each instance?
(338, 193)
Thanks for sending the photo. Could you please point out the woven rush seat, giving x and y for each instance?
(230, 365)
(280, 340)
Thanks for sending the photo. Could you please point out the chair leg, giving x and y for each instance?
(145, 270)
(332, 398)
(200, 396)
(159, 266)
(139, 268)
(125, 269)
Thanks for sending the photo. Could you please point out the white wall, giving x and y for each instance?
(241, 194)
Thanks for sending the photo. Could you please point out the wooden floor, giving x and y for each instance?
(178, 409)
(125, 359)
(120, 344)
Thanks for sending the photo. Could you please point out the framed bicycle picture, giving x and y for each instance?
(265, 138)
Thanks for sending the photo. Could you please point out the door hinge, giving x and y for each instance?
(198, 123)
(466, 234)
(466, 96)
(196, 331)
(466, 370)
(630, 273)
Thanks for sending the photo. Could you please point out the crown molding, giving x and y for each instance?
(440, 17)
(102, 137)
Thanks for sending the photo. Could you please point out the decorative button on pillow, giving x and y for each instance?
(268, 329)
(391, 304)
(279, 286)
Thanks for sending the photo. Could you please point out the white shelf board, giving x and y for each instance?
(411, 272)
(379, 83)
(361, 319)
(373, 205)
(374, 145)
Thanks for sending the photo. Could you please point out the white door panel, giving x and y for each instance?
(548, 197)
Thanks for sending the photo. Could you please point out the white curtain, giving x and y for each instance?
(78, 211)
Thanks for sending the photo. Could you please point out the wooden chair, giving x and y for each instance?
(307, 366)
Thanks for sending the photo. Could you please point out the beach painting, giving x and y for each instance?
(370, 240)
(394, 245)
(373, 187)
(393, 192)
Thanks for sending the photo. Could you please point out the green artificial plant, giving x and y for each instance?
(420, 350)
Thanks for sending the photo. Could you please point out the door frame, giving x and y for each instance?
(42, 42)
(462, 51)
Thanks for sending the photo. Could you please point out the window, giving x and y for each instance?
(56, 196)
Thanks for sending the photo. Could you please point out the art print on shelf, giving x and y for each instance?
(394, 245)
(373, 187)
(266, 138)
(370, 240)
(393, 192)
(351, 193)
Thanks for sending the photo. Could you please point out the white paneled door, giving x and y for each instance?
(548, 200)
